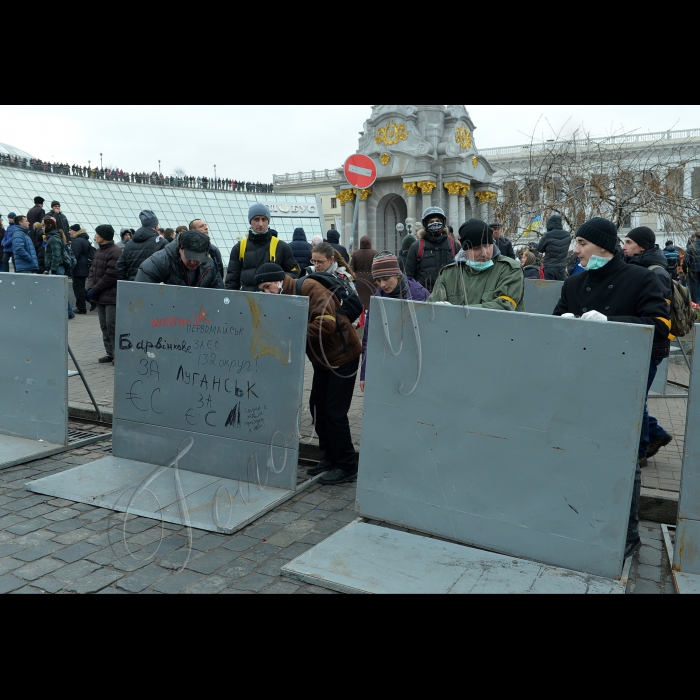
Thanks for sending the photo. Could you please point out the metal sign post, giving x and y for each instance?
(361, 173)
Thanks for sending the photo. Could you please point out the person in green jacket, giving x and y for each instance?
(478, 279)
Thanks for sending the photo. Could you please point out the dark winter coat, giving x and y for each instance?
(23, 251)
(35, 215)
(241, 275)
(145, 243)
(361, 267)
(437, 255)
(102, 277)
(673, 260)
(7, 239)
(334, 240)
(215, 255)
(555, 244)
(301, 248)
(416, 292)
(61, 222)
(166, 267)
(403, 257)
(532, 272)
(691, 262)
(655, 258)
(84, 252)
(53, 253)
(625, 294)
(506, 247)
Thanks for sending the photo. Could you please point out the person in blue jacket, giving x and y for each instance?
(23, 250)
(7, 243)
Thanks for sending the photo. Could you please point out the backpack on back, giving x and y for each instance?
(421, 248)
(67, 257)
(683, 316)
(346, 296)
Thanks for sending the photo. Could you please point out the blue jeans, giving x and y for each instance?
(651, 430)
(62, 273)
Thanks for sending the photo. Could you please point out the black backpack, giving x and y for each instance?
(350, 304)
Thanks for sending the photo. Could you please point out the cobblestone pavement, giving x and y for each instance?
(50, 545)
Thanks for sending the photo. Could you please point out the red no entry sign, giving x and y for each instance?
(360, 171)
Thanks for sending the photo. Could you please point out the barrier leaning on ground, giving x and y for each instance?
(542, 297)
(210, 382)
(34, 369)
(453, 449)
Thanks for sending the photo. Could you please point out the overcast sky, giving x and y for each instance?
(253, 142)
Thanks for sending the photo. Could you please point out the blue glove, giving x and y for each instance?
(91, 294)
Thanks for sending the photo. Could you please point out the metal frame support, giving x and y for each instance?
(85, 384)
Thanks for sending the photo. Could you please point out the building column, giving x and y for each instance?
(362, 228)
(347, 202)
(453, 189)
(412, 192)
(427, 187)
(485, 198)
(463, 191)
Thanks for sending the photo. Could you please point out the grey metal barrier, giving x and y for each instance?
(542, 297)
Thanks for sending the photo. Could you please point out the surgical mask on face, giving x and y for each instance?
(280, 286)
(479, 266)
(435, 227)
(596, 263)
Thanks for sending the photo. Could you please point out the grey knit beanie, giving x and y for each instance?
(258, 210)
(148, 219)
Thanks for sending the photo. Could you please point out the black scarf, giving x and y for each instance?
(401, 291)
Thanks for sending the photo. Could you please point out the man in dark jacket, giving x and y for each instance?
(691, 266)
(673, 259)
(183, 263)
(610, 290)
(429, 256)
(36, 214)
(61, 220)
(7, 242)
(503, 243)
(640, 249)
(555, 245)
(333, 237)
(258, 248)
(84, 253)
(214, 254)
(301, 248)
(23, 251)
(102, 287)
(146, 242)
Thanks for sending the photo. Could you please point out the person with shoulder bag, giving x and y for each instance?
(53, 255)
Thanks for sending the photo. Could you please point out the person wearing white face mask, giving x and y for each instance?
(477, 279)
(610, 290)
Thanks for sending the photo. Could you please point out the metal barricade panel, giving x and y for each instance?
(225, 368)
(477, 454)
(542, 297)
(34, 357)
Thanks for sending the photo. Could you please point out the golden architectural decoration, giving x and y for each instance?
(391, 134)
(411, 188)
(454, 188)
(464, 188)
(366, 194)
(464, 137)
(475, 162)
(486, 197)
(385, 158)
(346, 196)
(427, 187)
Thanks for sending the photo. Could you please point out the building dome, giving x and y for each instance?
(12, 151)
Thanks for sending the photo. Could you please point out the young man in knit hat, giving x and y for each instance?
(610, 290)
(488, 283)
(334, 349)
(641, 249)
(258, 248)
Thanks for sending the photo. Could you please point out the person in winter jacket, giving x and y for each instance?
(146, 242)
(392, 284)
(183, 263)
(555, 245)
(480, 280)
(610, 290)
(84, 253)
(433, 251)
(214, 254)
(36, 214)
(691, 266)
(361, 266)
(333, 237)
(334, 350)
(531, 269)
(503, 243)
(61, 220)
(7, 242)
(53, 253)
(125, 235)
(301, 248)
(640, 249)
(102, 287)
(673, 259)
(325, 258)
(406, 244)
(258, 248)
(23, 251)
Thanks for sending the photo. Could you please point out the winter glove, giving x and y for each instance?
(594, 316)
(91, 294)
(568, 316)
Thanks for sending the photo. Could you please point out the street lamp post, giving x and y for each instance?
(89, 168)
(214, 175)
(100, 161)
(159, 167)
